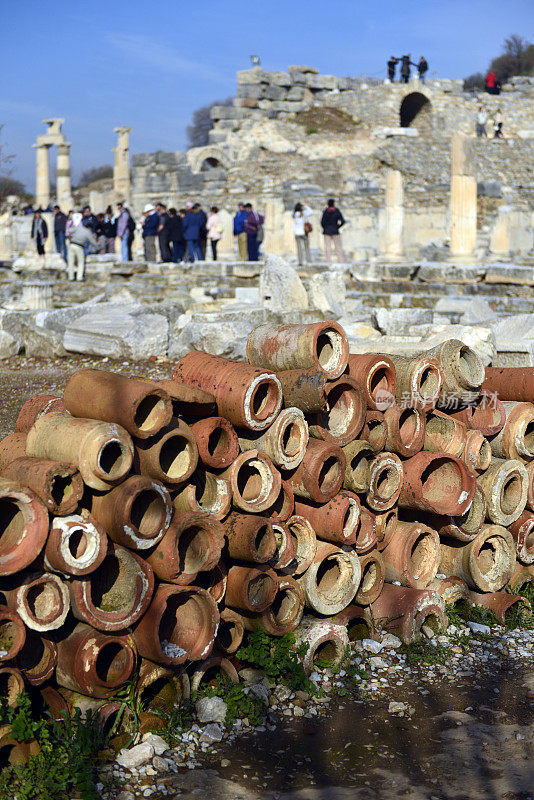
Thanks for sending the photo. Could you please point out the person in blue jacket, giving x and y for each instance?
(191, 225)
(239, 231)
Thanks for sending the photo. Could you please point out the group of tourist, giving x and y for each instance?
(494, 124)
(332, 221)
(405, 68)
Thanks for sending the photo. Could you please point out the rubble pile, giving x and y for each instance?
(147, 525)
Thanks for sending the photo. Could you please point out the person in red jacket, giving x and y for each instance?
(492, 84)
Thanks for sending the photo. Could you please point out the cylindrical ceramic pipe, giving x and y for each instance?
(336, 521)
(76, 545)
(250, 538)
(373, 577)
(343, 415)
(359, 454)
(58, 485)
(216, 440)
(406, 430)
(304, 389)
(516, 438)
(254, 481)
(283, 506)
(304, 540)
(465, 527)
(11, 448)
(192, 544)
(500, 603)
(385, 527)
(375, 430)
(504, 485)
(412, 555)
(285, 441)
(376, 374)
(116, 594)
(37, 659)
(511, 383)
(135, 514)
(251, 588)
(213, 668)
(443, 434)
(188, 401)
(284, 559)
(462, 370)
(332, 580)
(11, 686)
(180, 625)
(23, 526)
(12, 633)
(35, 407)
(246, 396)
(438, 483)
(451, 589)
(359, 623)
(522, 531)
(94, 663)
(204, 494)
(321, 345)
(366, 536)
(160, 688)
(285, 613)
(386, 477)
(214, 581)
(409, 613)
(485, 414)
(324, 640)
(170, 456)
(477, 451)
(419, 381)
(102, 452)
(231, 631)
(320, 474)
(41, 600)
(486, 563)
(530, 487)
(139, 408)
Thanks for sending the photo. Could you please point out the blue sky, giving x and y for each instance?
(149, 65)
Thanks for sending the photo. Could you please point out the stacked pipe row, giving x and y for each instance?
(147, 525)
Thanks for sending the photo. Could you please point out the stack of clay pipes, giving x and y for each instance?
(147, 525)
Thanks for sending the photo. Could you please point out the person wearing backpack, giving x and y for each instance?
(254, 230)
(331, 222)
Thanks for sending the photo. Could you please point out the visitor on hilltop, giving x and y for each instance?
(203, 235)
(331, 222)
(125, 231)
(254, 230)
(214, 229)
(164, 238)
(422, 68)
(493, 86)
(497, 125)
(302, 228)
(405, 68)
(176, 235)
(392, 64)
(192, 223)
(81, 238)
(480, 127)
(110, 230)
(239, 231)
(60, 226)
(150, 228)
(39, 232)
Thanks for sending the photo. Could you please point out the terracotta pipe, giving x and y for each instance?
(343, 415)
(462, 370)
(376, 374)
(406, 430)
(246, 396)
(11, 448)
(320, 474)
(477, 451)
(443, 434)
(187, 401)
(437, 482)
(375, 430)
(102, 452)
(216, 440)
(14, 753)
(500, 603)
(55, 703)
(304, 540)
(511, 383)
(522, 577)
(412, 556)
(230, 633)
(419, 381)
(304, 389)
(284, 558)
(171, 456)
(318, 345)
(285, 612)
(160, 688)
(250, 538)
(504, 485)
(213, 668)
(332, 580)
(335, 521)
(192, 544)
(410, 614)
(94, 663)
(41, 600)
(386, 477)
(486, 563)
(486, 414)
(366, 535)
(359, 455)
(139, 408)
(180, 625)
(451, 589)
(214, 581)
(385, 525)
(530, 486)
(325, 641)
(358, 622)
(373, 577)
(204, 494)
(251, 588)
(285, 441)
(12, 633)
(58, 485)
(516, 438)
(254, 481)
(35, 407)
(116, 594)
(11, 686)
(37, 659)
(135, 514)
(522, 531)
(76, 545)
(463, 528)
(283, 507)
(23, 526)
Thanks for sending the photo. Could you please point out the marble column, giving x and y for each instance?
(121, 169)
(463, 234)
(42, 176)
(394, 222)
(500, 242)
(63, 191)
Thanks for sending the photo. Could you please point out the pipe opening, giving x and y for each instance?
(77, 542)
(511, 493)
(377, 433)
(326, 651)
(8, 755)
(254, 480)
(528, 545)
(112, 663)
(487, 556)
(219, 441)
(113, 586)
(360, 467)
(147, 513)
(441, 481)
(185, 626)
(10, 688)
(369, 576)
(12, 523)
(113, 458)
(175, 456)
(441, 427)
(328, 577)
(263, 542)
(193, 548)
(351, 518)
(286, 606)
(358, 629)
(422, 556)
(160, 693)
(378, 381)
(473, 519)
(470, 368)
(329, 474)
(43, 601)
(264, 399)
(428, 382)
(213, 677)
(528, 437)
(229, 635)
(8, 635)
(61, 489)
(409, 426)
(151, 414)
(206, 490)
(483, 456)
(260, 589)
(213, 581)
(291, 439)
(342, 406)
(329, 349)
(282, 506)
(430, 625)
(387, 481)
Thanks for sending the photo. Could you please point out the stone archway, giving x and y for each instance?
(415, 110)
(210, 163)
(203, 159)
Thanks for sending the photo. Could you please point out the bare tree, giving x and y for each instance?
(202, 123)
(6, 159)
(517, 58)
(95, 174)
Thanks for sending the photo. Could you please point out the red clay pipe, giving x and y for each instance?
(246, 396)
(359, 455)
(462, 370)
(358, 621)
(37, 659)
(285, 613)
(217, 442)
(58, 485)
(504, 485)
(76, 545)
(343, 415)
(304, 389)
(385, 484)
(135, 514)
(115, 595)
(477, 451)
(332, 580)
(160, 688)
(406, 430)
(170, 456)
(214, 581)
(304, 540)
(284, 558)
(94, 663)
(485, 414)
(204, 494)
(180, 625)
(375, 430)
(486, 563)
(41, 601)
(192, 544)
(510, 383)
(214, 667)
(251, 588)
(335, 521)
(23, 526)
(320, 474)
(419, 381)
(522, 531)
(139, 408)
(443, 434)
(11, 685)
(366, 535)
(35, 407)
(318, 345)
(12, 634)
(412, 556)
(438, 483)
(254, 481)
(516, 438)
(376, 374)
(385, 527)
(407, 612)
(231, 631)
(250, 538)
(187, 401)
(465, 527)
(500, 603)
(285, 441)
(451, 589)
(12, 447)
(373, 577)
(283, 506)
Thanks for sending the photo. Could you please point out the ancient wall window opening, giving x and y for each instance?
(415, 108)
(209, 164)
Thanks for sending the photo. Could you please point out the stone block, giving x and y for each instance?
(329, 82)
(280, 78)
(265, 105)
(463, 156)
(249, 102)
(514, 328)
(274, 93)
(280, 286)
(227, 112)
(509, 274)
(136, 756)
(397, 321)
(221, 333)
(295, 93)
(254, 75)
(298, 79)
(9, 346)
(489, 189)
(250, 90)
(467, 310)
(287, 106)
(304, 69)
(327, 293)
(211, 709)
(118, 334)
(344, 84)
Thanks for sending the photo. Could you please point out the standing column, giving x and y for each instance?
(121, 169)
(394, 215)
(42, 176)
(64, 191)
(463, 237)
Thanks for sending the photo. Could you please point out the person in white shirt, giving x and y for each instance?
(482, 118)
(302, 229)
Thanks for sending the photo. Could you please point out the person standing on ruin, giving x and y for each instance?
(302, 229)
(497, 125)
(422, 68)
(124, 231)
(482, 118)
(164, 238)
(81, 238)
(60, 225)
(405, 68)
(392, 64)
(192, 223)
(150, 227)
(39, 232)
(214, 229)
(203, 235)
(331, 222)
(110, 230)
(254, 230)
(176, 235)
(239, 231)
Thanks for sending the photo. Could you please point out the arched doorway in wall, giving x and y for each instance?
(209, 164)
(415, 111)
